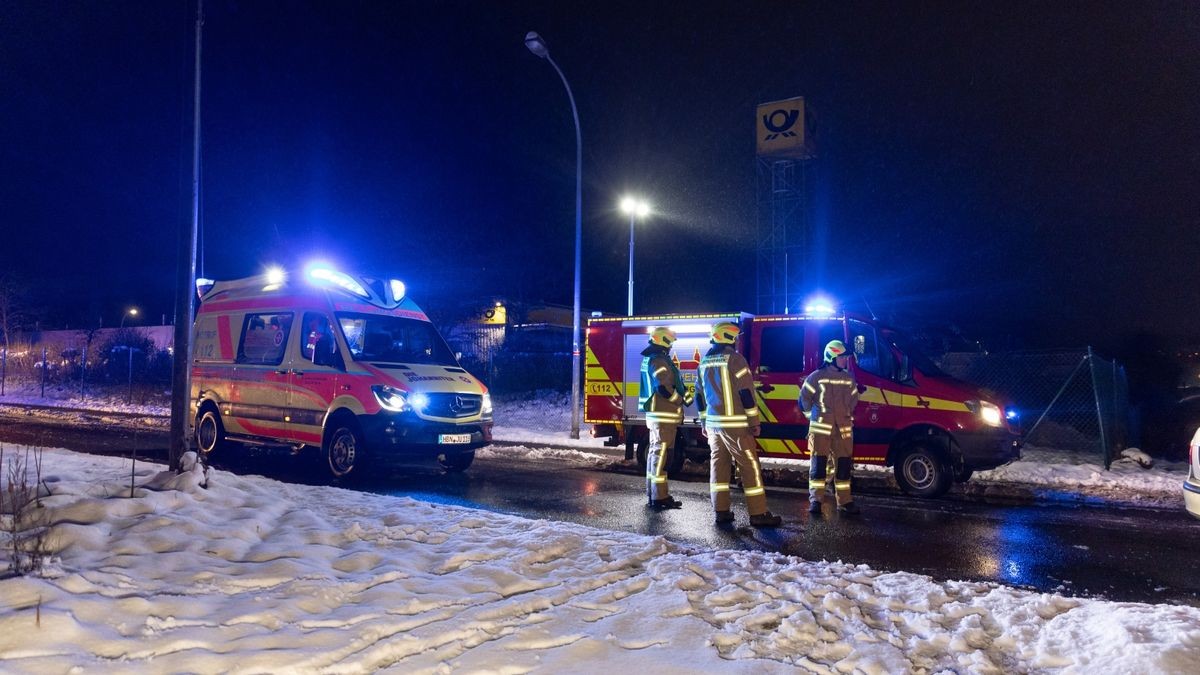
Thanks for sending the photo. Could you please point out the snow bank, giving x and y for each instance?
(252, 575)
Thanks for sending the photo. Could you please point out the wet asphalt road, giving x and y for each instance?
(1119, 554)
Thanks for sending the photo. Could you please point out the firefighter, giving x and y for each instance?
(663, 396)
(828, 397)
(725, 397)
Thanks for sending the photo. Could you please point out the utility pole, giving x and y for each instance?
(185, 290)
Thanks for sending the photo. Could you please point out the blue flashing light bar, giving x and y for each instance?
(339, 279)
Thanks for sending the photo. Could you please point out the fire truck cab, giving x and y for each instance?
(346, 364)
(931, 428)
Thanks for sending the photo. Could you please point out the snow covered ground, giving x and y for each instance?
(253, 575)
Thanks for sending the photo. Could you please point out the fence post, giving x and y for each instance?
(1099, 410)
(44, 366)
(130, 400)
(3, 368)
(83, 372)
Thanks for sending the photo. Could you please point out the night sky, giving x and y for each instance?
(1026, 172)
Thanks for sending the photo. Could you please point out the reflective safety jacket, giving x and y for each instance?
(662, 391)
(725, 390)
(828, 396)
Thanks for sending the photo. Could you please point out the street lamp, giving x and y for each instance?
(535, 44)
(132, 311)
(635, 208)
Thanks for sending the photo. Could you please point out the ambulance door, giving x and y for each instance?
(778, 363)
(878, 414)
(258, 405)
(315, 367)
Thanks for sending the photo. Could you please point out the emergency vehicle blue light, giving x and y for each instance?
(339, 279)
(1011, 413)
(819, 304)
(397, 289)
(418, 400)
(275, 275)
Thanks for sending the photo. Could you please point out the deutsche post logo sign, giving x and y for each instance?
(785, 129)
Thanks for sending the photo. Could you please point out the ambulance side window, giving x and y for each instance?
(871, 355)
(782, 348)
(264, 337)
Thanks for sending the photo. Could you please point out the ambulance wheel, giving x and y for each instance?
(922, 473)
(344, 451)
(210, 434)
(458, 462)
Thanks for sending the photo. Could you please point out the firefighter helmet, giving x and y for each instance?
(725, 333)
(834, 349)
(663, 337)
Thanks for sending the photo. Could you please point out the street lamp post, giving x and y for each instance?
(535, 44)
(636, 209)
(132, 311)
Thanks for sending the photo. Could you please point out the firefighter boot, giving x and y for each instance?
(849, 508)
(766, 519)
(665, 503)
(724, 517)
(814, 506)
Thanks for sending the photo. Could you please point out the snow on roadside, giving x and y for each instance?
(254, 575)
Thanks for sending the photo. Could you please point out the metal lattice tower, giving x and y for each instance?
(784, 264)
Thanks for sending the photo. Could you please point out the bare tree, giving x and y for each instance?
(13, 296)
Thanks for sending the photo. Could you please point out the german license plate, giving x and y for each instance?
(452, 439)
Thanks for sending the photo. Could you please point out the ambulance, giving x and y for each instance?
(347, 365)
(934, 430)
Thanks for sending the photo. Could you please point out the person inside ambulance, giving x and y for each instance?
(320, 346)
(663, 396)
(827, 397)
(725, 399)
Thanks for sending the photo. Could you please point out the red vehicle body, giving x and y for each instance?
(932, 428)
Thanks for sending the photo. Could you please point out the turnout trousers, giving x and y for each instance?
(830, 444)
(662, 440)
(735, 445)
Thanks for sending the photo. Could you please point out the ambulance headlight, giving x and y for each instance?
(391, 398)
(487, 404)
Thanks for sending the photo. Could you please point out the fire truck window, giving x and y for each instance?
(264, 337)
(782, 349)
(871, 355)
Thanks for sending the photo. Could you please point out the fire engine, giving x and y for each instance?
(346, 364)
(931, 428)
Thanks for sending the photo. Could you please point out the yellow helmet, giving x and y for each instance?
(725, 333)
(834, 349)
(663, 337)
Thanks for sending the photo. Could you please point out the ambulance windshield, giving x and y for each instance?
(393, 339)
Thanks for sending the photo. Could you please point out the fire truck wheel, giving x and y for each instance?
(210, 433)
(457, 463)
(344, 449)
(922, 473)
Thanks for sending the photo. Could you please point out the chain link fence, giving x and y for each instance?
(1071, 401)
(128, 364)
(527, 369)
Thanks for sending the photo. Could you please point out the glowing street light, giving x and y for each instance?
(537, 46)
(635, 208)
(132, 311)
